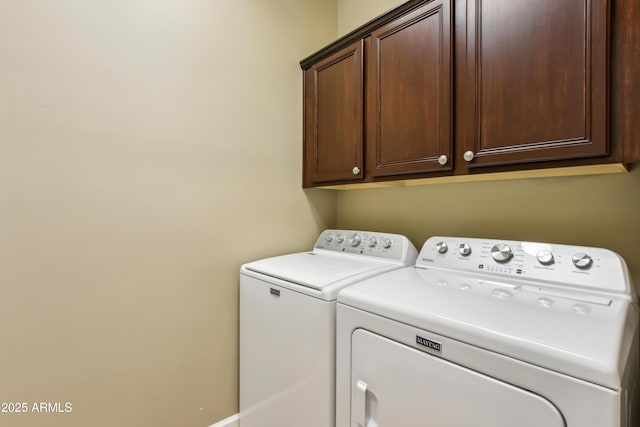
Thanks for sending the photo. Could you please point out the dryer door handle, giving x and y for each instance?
(359, 408)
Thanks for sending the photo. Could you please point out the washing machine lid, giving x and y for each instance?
(319, 270)
(582, 335)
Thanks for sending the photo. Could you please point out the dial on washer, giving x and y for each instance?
(545, 257)
(442, 247)
(386, 243)
(464, 249)
(355, 239)
(501, 252)
(582, 261)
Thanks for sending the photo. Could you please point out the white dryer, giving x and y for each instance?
(485, 333)
(287, 324)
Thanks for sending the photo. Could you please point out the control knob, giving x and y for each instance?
(339, 238)
(582, 261)
(464, 249)
(355, 239)
(545, 257)
(442, 247)
(501, 253)
(386, 243)
(373, 242)
(328, 238)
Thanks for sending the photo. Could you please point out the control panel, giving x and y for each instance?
(576, 266)
(367, 243)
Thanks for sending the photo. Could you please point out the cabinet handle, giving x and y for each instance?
(468, 155)
(355, 170)
(443, 160)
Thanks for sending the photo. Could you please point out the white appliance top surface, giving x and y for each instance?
(577, 330)
(317, 270)
(339, 258)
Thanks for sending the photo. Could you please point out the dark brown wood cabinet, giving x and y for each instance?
(333, 117)
(386, 97)
(537, 84)
(460, 87)
(408, 93)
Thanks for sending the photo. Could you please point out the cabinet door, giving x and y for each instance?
(409, 92)
(536, 80)
(333, 116)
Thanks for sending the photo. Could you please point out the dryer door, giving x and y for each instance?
(396, 385)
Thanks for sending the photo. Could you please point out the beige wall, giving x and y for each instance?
(594, 210)
(147, 149)
(353, 13)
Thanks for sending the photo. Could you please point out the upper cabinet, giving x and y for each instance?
(385, 96)
(459, 87)
(409, 93)
(333, 117)
(536, 77)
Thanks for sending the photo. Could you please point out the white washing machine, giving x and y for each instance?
(485, 333)
(287, 324)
